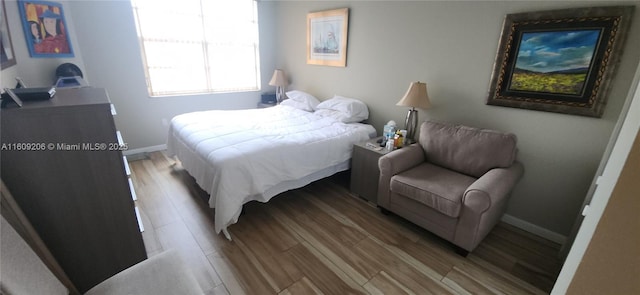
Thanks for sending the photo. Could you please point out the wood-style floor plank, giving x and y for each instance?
(382, 283)
(218, 290)
(303, 286)
(354, 266)
(494, 278)
(325, 275)
(390, 229)
(194, 213)
(418, 279)
(320, 239)
(157, 206)
(226, 269)
(151, 242)
(462, 283)
(177, 236)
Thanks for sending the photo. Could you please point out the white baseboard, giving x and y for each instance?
(534, 229)
(143, 150)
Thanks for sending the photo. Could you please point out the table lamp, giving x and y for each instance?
(416, 97)
(280, 81)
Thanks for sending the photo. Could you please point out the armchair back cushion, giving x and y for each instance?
(468, 150)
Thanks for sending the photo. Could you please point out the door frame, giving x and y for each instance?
(630, 118)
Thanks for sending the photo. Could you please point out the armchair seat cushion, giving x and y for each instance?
(433, 186)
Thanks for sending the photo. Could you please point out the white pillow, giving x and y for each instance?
(296, 104)
(352, 110)
(301, 100)
(336, 115)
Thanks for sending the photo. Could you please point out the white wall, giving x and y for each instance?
(107, 35)
(7, 77)
(451, 46)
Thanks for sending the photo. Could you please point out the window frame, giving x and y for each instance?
(208, 84)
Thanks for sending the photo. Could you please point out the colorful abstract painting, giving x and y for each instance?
(45, 29)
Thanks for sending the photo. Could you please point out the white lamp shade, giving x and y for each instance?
(416, 96)
(278, 78)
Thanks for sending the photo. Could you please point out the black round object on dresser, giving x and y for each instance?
(68, 70)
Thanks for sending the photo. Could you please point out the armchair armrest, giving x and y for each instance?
(492, 188)
(483, 204)
(164, 273)
(394, 163)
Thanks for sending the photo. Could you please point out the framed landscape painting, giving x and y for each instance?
(327, 37)
(559, 61)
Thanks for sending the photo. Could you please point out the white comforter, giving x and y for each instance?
(236, 156)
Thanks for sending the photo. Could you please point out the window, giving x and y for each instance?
(198, 46)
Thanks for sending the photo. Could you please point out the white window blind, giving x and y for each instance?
(198, 46)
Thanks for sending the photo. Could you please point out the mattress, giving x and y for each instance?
(239, 156)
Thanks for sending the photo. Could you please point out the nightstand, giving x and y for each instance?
(365, 171)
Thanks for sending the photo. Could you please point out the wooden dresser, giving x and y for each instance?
(62, 161)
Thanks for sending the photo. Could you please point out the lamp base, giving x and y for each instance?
(279, 94)
(411, 124)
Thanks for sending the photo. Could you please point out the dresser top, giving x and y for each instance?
(67, 97)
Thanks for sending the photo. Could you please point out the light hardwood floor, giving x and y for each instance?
(320, 239)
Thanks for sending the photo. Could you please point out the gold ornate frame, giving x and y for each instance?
(586, 92)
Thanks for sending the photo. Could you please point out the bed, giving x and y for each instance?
(239, 156)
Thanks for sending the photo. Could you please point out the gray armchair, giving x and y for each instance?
(455, 182)
(24, 272)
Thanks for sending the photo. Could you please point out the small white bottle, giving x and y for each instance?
(389, 145)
